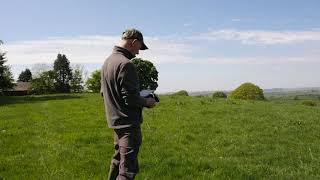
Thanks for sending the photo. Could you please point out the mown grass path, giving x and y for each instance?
(66, 137)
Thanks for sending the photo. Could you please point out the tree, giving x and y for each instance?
(181, 93)
(25, 76)
(44, 84)
(247, 91)
(63, 74)
(76, 81)
(147, 73)
(6, 78)
(219, 94)
(94, 81)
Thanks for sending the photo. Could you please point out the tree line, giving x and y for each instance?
(6, 77)
(63, 79)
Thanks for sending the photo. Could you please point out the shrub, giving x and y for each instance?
(181, 93)
(44, 84)
(76, 83)
(219, 94)
(247, 91)
(147, 72)
(93, 83)
(309, 103)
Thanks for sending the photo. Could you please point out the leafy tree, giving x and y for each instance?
(63, 74)
(76, 81)
(6, 78)
(247, 91)
(219, 94)
(147, 73)
(44, 84)
(181, 93)
(94, 81)
(25, 76)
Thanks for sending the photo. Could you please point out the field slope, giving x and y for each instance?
(65, 137)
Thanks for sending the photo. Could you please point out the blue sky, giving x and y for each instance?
(195, 45)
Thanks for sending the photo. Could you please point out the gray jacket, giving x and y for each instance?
(120, 88)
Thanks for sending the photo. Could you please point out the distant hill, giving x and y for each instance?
(277, 93)
(306, 89)
(293, 94)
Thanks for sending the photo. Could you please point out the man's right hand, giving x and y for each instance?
(151, 102)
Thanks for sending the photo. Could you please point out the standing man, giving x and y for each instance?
(123, 104)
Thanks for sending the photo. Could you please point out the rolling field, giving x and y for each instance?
(66, 137)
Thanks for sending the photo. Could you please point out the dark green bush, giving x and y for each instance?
(247, 91)
(147, 72)
(219, 94)
(93, 83)
(309, 103)
(181, 93)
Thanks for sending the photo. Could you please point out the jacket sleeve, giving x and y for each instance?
(129, 84)
(101, 82)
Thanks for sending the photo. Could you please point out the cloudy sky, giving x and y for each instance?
(195, 45)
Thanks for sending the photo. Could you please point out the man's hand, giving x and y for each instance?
(151, 102)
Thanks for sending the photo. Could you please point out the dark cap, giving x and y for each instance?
(134, 34)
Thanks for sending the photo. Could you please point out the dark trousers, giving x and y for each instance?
(124, 163)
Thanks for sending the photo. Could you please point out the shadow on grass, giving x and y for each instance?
(6, 100)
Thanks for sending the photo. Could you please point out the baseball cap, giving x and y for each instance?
(134, 34)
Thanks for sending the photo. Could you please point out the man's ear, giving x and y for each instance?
(134, 41)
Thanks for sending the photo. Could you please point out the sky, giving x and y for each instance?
(195, 45)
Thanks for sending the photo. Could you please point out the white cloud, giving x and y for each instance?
(92, 50)
(163, 50)
(242, 19)
(80, 49)
(261, 60)
(261, 36)
(187, 24)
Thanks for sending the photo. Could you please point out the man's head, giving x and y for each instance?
(132, 39)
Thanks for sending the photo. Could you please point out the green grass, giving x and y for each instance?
(66, 137)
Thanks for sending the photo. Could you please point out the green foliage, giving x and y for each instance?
(94, 82)
(181, 93)
(76, 81)
(25, 76)
(147, 72)
(63, 74)
(44, 84)
(247, 91)
(59, 80)
(219, 94)
(309, 103)
(6, 78)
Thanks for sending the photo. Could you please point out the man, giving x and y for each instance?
(123, 104)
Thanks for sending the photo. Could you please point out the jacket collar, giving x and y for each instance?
(123, 51)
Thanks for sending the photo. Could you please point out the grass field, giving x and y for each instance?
(66, 137)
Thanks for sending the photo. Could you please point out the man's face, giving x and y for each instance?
(136, 46)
